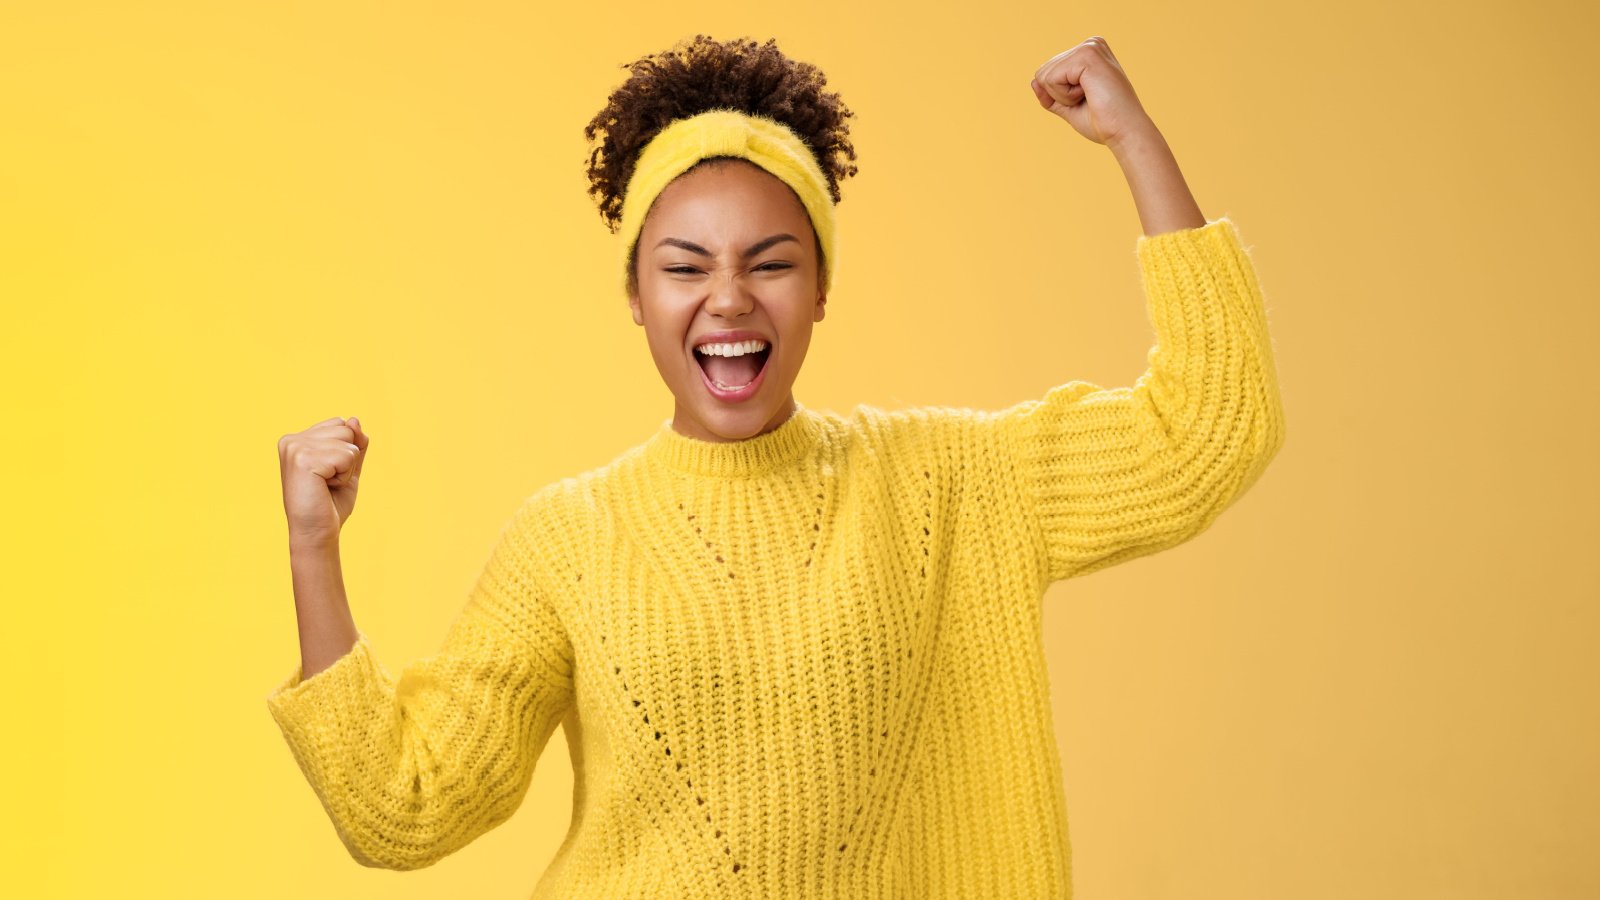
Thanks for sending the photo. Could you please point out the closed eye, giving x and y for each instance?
(689, 270)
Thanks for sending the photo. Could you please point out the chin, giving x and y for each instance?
(734, 421)
(736, 424)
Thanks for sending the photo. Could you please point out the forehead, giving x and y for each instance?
(725, 200)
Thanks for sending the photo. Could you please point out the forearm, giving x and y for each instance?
(327, 631)
(1159, 191)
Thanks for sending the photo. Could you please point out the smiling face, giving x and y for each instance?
(728, 247)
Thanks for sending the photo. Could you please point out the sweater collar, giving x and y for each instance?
(799, 434)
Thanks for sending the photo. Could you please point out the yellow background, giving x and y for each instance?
(219, 222)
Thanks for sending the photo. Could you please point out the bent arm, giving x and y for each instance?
(411, 769)
(1117, 473)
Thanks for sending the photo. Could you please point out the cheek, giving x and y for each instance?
(801, 346)
(799, 328)
(668, 350)
(667, 340)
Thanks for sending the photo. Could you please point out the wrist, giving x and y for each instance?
(313, 547)
(1137, 142)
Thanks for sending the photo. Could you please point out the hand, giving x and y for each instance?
(320, 468)
(1086, 86)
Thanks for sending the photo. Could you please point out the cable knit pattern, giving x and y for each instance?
(808, 664)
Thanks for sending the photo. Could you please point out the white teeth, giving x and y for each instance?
(736, 349)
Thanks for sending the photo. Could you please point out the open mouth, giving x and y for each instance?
(733, 377)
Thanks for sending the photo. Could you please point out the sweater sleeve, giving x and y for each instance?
(1117, 473)
(411, 769)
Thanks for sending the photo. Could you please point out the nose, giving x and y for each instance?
(726, 298)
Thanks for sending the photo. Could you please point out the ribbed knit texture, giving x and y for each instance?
(808, 664)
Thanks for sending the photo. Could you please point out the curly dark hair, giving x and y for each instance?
(698, 74)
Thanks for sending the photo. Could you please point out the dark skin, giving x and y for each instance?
(1085, 85)
(723, 208)
(726, 207)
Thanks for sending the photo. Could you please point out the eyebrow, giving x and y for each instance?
(752, 250)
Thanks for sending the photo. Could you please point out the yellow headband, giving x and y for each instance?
(766, 142)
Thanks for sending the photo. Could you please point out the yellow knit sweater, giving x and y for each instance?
(807, 664)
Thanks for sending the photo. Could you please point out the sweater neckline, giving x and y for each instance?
(793, 440)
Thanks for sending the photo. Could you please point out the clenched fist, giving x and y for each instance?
(1086, 86)
(321, 468)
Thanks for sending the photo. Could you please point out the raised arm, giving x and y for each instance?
(411, 769)
(1086, 86)
(1117, 473)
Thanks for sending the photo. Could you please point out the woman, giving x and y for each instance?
(797, 653)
